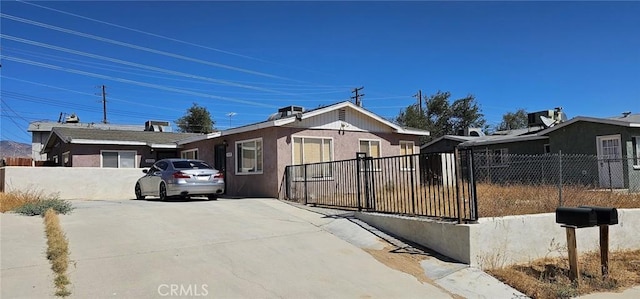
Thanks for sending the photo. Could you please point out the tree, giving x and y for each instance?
(513, 120)
(196, 120)
(440, 117)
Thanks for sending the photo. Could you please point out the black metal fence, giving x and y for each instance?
(435, 184)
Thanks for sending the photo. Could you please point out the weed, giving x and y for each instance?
(549, 277)
(57, 252)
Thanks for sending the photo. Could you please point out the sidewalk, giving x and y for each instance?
(631, 293)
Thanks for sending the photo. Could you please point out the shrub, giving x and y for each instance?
(39, 207)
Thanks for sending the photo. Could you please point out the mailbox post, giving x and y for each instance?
(587, 216)
(605, 217)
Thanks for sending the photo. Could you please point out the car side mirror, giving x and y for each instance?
(145, 170)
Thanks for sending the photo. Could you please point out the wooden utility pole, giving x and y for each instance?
(104, 104)
(357, 96)
(419, 96)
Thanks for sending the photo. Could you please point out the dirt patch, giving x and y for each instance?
(548, 278)
(407, 261)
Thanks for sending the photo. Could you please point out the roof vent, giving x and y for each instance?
(156, 126)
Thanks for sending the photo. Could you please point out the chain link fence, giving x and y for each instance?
(525, 184)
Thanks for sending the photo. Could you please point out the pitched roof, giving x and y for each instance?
(115, 137)
(631, 120)
(47, 126)
(308, 114)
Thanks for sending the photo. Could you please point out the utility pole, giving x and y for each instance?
(419, 96)
(104, 104)
(358, 96)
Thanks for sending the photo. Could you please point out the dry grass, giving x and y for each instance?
(57, 252)
(12, 200)
(496, 200)
(548, 278)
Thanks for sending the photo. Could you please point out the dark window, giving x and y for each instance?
(190, 165)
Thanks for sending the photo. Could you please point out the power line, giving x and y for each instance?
(79, 72)
(143, 66)
(128, 45)
(166, 37)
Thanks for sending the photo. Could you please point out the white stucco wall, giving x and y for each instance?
(74, 182)
(519, 239)
(501, 241)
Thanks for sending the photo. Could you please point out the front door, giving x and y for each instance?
(610, 169)
(220, 160)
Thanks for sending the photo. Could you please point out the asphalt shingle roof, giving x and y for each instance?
(70, 134)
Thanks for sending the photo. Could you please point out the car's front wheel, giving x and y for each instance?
(139, 195)
(163, 191)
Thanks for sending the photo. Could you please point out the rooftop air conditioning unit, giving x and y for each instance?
(72, 119)
(156, 126)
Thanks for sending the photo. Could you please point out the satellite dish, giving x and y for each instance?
(548, 122)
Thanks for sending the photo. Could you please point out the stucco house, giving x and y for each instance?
(95, 147)
(615, 141)
(41, 131)
(254, 157)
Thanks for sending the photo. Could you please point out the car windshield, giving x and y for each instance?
(190, 165)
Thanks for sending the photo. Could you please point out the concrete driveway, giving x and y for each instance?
(250, 248)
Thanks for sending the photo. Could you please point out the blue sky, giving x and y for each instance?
(156, 58)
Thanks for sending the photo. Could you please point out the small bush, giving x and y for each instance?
(14, 199)
(39, 207)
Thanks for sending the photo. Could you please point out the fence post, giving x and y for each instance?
(306, 187)
(472, 184)
(457, 170)
(561, 202)
(609, 169)
(413, 185)
(359, 157)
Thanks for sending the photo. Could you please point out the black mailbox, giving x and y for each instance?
(578, 217)
(605, 216)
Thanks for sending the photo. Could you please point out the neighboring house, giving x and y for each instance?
(94, 147)
(254, 157)
(615, 141)
(41, 130)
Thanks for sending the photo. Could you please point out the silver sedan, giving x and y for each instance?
(180, 177)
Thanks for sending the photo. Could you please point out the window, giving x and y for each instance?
(500, 157)
(372, 149)
(249, 155)
(118, 159)
(189, 154)
(547, 149)
(406, 149)
(636, 152)
(313, 150)
(65, 159)
(55, 160)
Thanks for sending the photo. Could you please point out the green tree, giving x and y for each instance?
(196, 120)
(513, 120)
(440, 117)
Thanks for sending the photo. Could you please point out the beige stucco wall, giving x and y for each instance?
(277, 149)
(74, 182)
(500, 241)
